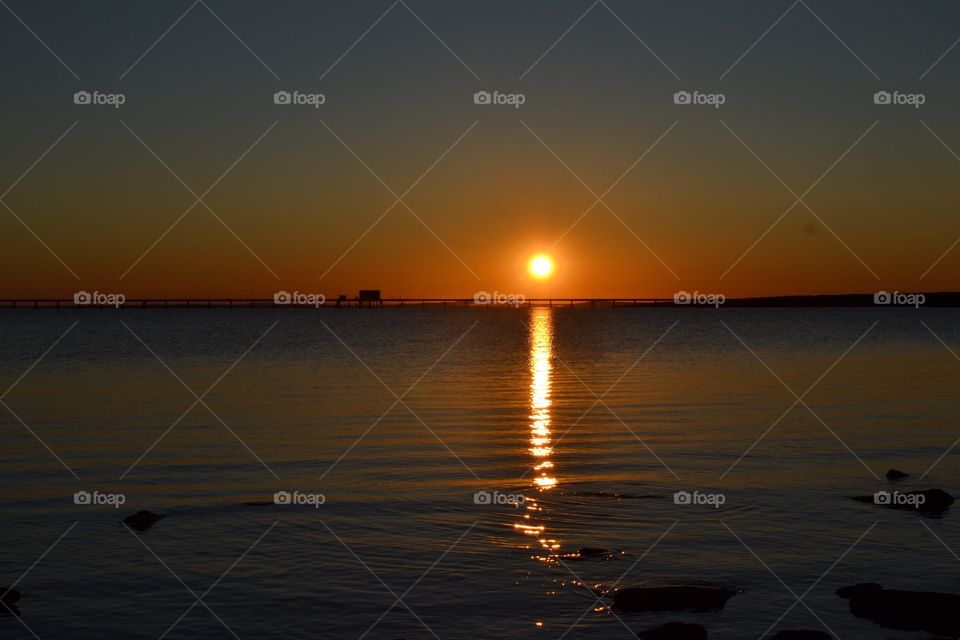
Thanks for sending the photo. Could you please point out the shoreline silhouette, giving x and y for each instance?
(939, 299)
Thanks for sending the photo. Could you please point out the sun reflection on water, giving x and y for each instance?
(541, 368)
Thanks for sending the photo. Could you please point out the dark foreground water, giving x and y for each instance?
(567, 408)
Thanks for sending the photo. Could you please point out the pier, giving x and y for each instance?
(331, 303)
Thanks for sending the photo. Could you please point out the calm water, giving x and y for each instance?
(496, 400)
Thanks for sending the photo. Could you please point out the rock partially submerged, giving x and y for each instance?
(933, 500)
(934, 612)
(588, 552)
(142, 520)
(615, 494)
(8, 601)
(803, 634)
(672, 598)
(9, 596)
(674, 631)
(896, 474)
(258, 503)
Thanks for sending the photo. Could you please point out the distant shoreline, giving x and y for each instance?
(925, 299)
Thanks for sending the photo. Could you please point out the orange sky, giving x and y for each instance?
(294, 198)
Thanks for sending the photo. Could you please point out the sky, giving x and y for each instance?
(199, 185)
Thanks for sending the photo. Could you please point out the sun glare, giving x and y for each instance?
(541, 266)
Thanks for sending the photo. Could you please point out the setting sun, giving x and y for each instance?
(541, 266)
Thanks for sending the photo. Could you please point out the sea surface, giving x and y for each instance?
(461, 457)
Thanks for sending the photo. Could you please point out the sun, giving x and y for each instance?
(541, 266)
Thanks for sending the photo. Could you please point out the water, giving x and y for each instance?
(494, 400)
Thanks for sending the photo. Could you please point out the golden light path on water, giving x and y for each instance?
(541, 369)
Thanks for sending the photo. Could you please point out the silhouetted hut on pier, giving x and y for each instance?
(369, 298)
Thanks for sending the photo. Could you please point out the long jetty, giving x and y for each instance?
(948, 299)
(330, 303)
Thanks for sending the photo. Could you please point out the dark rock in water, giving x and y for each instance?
(8, 601)
(895, 474)
(587, 552)
(592, 552)
(142, 520)
(617, 495)
(929, 611)
(934, 500)
(672, 598)
(791, 634)
(859, 589)
(675, 631)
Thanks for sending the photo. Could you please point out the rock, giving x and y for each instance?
(142, 520)
(858, 589)
(8, 601)
(675, 631)
(934, 501)
(804, 634)
(672, 598)
(587, 552)
(9, 597)
(592, 552)
(894, 474)
(933, 612)
(617, 495)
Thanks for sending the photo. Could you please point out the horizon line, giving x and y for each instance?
(372, 298)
